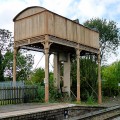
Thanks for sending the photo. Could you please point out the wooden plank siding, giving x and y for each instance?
(60, 27)
(69, 30)
(30, 27)
(47, 22)
(51, 23)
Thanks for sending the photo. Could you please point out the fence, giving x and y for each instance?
(11, 83)
(14, 95)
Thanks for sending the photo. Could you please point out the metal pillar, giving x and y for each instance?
(67, 75)
(78, 75)
(46, 75)
(56, 71)
(14, 65)
(99, 81)
(46, 79)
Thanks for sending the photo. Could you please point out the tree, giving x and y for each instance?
(24, 62)
(88, 76)
(108, 35)
(111, 78)
(38, 76)
(1, 68)
(24, 65)
(5, 40)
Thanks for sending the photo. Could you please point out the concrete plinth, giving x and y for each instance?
(56, 71)
(66, 77)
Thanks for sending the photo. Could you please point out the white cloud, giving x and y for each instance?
(10, 8)
(59, 6)
(91, 8)
(81, 9)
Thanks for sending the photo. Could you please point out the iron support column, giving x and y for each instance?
(46, 80)
(99, 81)
(46, 75)
(78, 75)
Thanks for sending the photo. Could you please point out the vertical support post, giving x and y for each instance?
(14, 65)
(78, 75)
(57, 71)
(67, 75)
(46, 75)
(99, 81)
(46, 80)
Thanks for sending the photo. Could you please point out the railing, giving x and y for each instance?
(14, 95)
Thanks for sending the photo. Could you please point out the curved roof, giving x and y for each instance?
(22, 14)
(29, 11)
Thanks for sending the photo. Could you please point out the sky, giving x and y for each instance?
(72, 9)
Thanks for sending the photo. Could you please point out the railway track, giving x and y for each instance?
(112, 113)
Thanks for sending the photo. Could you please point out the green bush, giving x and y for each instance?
(90, 99)
(40, 93)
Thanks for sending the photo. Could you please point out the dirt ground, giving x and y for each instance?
(111, 101)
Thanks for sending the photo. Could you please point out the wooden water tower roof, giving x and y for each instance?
(32, 24)
(28, 12)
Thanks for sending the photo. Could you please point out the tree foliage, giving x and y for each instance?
(88, 76)
(1, 68)
(5, 45)
(108, 35)
(6, 40)
(24, 65)
(111, 78)
(24, 62)
(38, 76)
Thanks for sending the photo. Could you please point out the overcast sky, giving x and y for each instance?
(72, 9)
